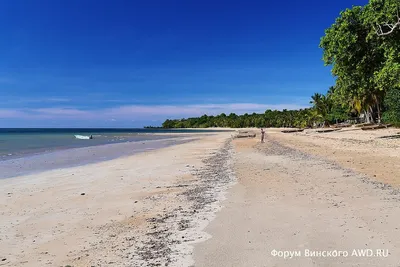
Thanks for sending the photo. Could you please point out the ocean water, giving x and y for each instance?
(73, 157)
(16, 143)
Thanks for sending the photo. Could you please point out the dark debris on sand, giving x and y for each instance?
(275, 148)
(158, 250)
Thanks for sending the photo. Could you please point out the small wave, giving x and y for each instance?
(6, 155)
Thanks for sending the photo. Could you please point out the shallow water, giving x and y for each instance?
(79, 156)
(16, 143)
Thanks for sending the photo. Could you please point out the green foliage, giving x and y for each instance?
(338, 114)
(322, 106)
(271, 118)
(354, 58)
(365, 64)
(392, 103)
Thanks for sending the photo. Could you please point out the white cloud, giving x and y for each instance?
(142, 112)
(22, 100)
(10, 113)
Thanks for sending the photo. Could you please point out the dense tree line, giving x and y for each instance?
(271, 118)
(363, 49)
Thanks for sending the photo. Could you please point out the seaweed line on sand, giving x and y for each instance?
(170, 242)
(276, 148)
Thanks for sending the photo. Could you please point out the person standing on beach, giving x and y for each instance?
(262, 135)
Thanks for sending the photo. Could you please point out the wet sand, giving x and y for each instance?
(141, 210)
(73, 157)
(214, 201)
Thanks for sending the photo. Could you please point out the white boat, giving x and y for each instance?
(84, 137)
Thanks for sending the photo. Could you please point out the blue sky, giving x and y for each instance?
(96, 63)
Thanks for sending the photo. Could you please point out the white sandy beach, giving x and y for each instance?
(46, 221)
(212, 202)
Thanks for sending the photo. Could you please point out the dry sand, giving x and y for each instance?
(141, 210)
(373, 153)
(321, 192)
(294, 193)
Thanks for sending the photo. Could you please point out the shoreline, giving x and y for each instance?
(212, 201)
(116, 212)
(174, 234)
(25, 142)
(73, 157)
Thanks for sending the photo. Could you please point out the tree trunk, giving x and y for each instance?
(366, 117)
(371, 112)
(379, 112)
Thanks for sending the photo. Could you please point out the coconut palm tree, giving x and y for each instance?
(322, 105)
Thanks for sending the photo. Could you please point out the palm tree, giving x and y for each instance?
(322, 106)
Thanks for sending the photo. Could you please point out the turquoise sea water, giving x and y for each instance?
(16, 143)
